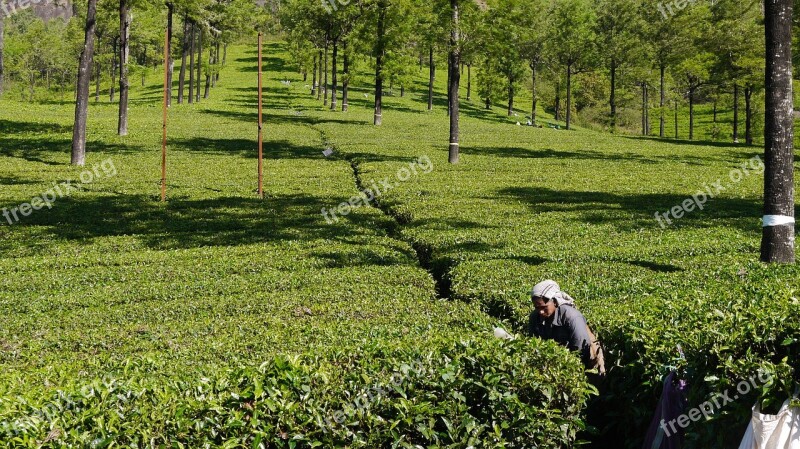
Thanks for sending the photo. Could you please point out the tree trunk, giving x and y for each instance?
(112, 89)
(333, 73)
(676, 119)
(469, 81)
(191, 63)
(184, 51)
(735, 113)
(613, 99)
(557, 101)
(533, 102)
(691, 114)
(207, 91)
(454, 79)
(97, 73)
(569, 95)
(431, 77)
(124, 53)
(661, 124)
(325, 84)
(2, 45)
(224, 54)
(171, 62)
(748, 115)
(510, 97)
(777, 245)
(82, 101)
(199, 63)
(644, 108)
(714, 119)
(314, 78)
(345, 77)
(216, 61)
(380, 49)
(319, 77)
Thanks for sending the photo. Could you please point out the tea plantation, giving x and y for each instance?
(221, 320)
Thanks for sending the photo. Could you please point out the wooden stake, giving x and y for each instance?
(164, 123)
(260, 125)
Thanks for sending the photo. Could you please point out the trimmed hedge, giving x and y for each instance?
(481, 393)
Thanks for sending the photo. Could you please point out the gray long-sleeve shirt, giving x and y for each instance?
(567, 327)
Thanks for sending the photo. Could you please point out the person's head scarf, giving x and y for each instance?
(550, 290)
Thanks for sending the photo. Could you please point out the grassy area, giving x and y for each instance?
(216, 279)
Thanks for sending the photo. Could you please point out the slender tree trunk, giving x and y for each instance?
(613, 99)
(224, 54)
(557, 101)
(97, 74)
(171, 62)
(735, 113)
(510, 97)
(199, 63)
(469, 81)
(191, 63)
(380, 49)
(216, 61)
(454, 79)
(748, 115)
(207, 91)
(661, 123)
(333, 73)
(112, 90)
(124, 53)
(569, 95)
(345, 77)
(431, 77)
(647, 109)
(325, 84)
(319, 86)
(777, 245)
(533, 102)
(676, 119)
(84, 75)
(644, 108)
(2, 45)
(314, 78)
(691, 114)
(213, 68)
(714, 119)
(184, 51)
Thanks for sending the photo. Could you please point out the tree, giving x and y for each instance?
(503, 32)
(124, 53)
(2, 45)
(618, 26)
(454, 80)
(777, 245)
(82, 100)
(572, 28)
(737, 42)
(661, 33)
(532, 44)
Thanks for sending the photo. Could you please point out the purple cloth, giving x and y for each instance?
(664, 433)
